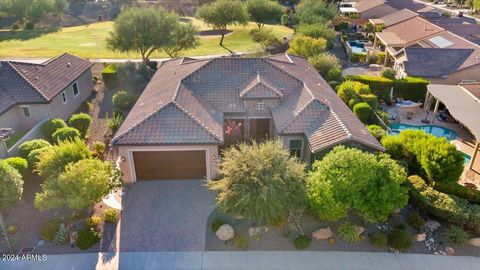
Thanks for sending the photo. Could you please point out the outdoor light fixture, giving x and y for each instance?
(214, 157)
(123, 159)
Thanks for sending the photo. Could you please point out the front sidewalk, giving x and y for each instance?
(248, 260)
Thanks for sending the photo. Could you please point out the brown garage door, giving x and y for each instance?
(169, 165)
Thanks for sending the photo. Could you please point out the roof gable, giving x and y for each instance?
(259, 88)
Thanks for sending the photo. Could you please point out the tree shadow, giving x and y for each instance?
(23, 35)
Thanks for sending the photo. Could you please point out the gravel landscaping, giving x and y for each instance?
(278, 239)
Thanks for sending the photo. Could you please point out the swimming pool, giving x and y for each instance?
(356, 46)
(431, 129)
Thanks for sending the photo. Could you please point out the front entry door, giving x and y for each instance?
(260, 129)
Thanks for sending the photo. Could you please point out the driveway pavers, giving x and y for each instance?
(165, 216)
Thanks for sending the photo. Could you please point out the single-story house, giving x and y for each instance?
(394, 18)
(443, 59)
(193, 108)
(30, 93)
(366, 9)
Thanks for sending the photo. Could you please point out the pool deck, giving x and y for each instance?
(464, 143)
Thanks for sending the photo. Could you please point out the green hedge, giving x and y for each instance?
(456, 189)
(109, 75)
(444, 206)
(409, 88)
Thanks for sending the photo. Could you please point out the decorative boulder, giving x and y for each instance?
(432, 224)
(475, 242)
(323, 234)
(360, 229)
(449, 251)
(225, 232)
(257, 231)
(420, 237)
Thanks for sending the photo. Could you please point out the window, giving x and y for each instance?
(64, 97)
(261, 106)
(26, 111)
(75, 89)
(295, 146)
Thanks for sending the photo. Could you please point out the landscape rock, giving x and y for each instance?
(432, 224)
(360, 229)
(323, 234)
(225, 232)
(257, 231)
(449, 251)
(420, 237)
(475, 242)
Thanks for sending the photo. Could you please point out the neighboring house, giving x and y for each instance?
(5, 133)
(443, 59)
(394, 18)
(30, 93)
(191, 109)
(366, 9)
(404, 34)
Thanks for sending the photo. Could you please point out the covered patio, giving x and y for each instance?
(463, 104)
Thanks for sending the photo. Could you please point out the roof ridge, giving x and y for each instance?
(174, 102)
(28, 81)
(299, 113)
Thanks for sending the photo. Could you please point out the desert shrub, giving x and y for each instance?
(302, 242)
(123, 101)
(448, 207)
(49, 228)
(53, 162)
(307, 46)
(98, 149)
(82, 122)
(370, 99)
(240, 241)
(426, 154)
(349, 233)
(334, 75)
(317, 30)
(66, 133)
(109, 75)
(415, 220)
(378, 239)
(25, 148)
(337, 184)
(389, 73)
(216, 223)
(472, 195)
(34, 156)
(352, 90)
(29, 25)
(363, 111)
(456, 235)
(284, 20)
(358, 58)
(93, 222)
(18, 163)
(399, 239)
(260, 181)
(61, 236)
(87, 238)
(352, 102)
(49, 127)
(324, 63)
(111, 215)
(377, 131)
(114, 122)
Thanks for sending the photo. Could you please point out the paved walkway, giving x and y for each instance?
(250, 260)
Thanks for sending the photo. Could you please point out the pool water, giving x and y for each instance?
(357, 47)
(431, 129)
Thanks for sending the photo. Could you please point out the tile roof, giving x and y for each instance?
(39, 83)
(434, 62)
(203, 90)
(410, 31)
(396, 17)
(364, 5)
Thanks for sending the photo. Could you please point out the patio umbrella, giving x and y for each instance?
(391, 93)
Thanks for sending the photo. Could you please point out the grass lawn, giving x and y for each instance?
(88, 41)
(14, 138)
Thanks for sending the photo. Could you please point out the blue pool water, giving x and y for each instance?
(431, 129)
(357, 47)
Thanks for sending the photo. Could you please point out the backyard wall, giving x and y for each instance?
(34, 133)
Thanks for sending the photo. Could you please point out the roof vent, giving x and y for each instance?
(36, 78)
(69, 64)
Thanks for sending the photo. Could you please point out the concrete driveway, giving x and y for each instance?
(165, 216)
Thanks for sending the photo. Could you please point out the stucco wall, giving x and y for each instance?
(15, 118)
(127, 164)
